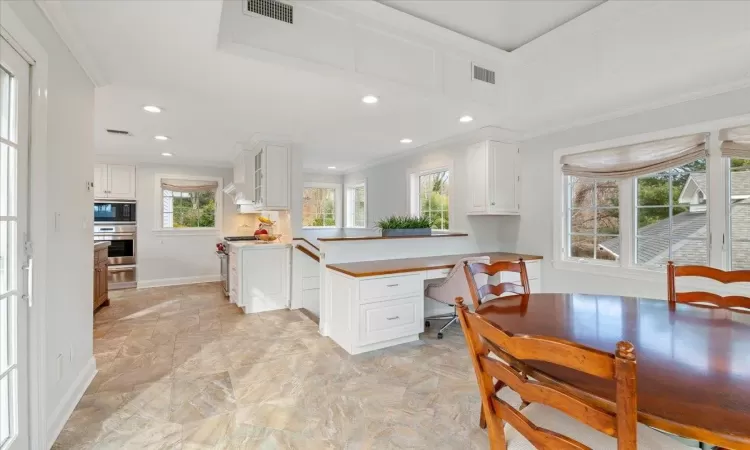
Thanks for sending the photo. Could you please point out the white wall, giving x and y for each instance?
(535, 233)
(69, 250)
(165, 258)
(387, 194)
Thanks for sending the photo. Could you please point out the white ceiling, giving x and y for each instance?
(150, 52)
(506, 25)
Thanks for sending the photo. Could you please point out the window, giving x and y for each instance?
(321, 205)
(189, 203)
(739, 213)
(593, 219)
(432, 197)
(356, 206)
(671, 216)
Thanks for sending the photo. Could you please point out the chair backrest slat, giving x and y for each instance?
(537, 392)
(539, 437)
(478, 293)
(693, 297)
(520, 350)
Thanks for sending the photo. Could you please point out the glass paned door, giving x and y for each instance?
(14, 113)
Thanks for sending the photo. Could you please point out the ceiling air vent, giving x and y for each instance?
(482, 74)
(272, 8)
(120, 132)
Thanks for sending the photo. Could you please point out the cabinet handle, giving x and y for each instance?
(493, 203)
(391, 285)
(391, 318)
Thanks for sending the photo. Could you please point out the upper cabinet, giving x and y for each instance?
(114, 181)
(262, 176)
(494, 178)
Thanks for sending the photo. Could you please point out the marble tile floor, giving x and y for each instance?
(182, 368)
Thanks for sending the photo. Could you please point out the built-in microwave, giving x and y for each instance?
(111, 211)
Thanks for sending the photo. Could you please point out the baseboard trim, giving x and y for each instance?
(178, 281)
(69, 401)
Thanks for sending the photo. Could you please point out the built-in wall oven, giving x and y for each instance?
(114, 222)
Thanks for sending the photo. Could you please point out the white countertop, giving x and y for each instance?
(256, 244)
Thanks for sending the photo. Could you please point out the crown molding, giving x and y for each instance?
(55, 13)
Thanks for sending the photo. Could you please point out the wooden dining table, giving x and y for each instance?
(693, 375)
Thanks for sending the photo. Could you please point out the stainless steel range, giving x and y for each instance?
(121, 252)
(222, 251)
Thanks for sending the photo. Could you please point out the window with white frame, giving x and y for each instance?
(671, 216)
(188, 203)
(321, 205)
(593, 219)
(739, 213)
(430, 196)
(356, 205)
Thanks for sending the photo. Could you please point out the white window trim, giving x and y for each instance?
(412, 180)
(159, 224)
(348, 209)
(717, 175)
(338, 203)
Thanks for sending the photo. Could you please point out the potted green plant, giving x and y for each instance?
(405, 226)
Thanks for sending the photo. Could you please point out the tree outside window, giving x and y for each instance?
(593, 219)
(433, 198)
(319, 207)
(188, 203)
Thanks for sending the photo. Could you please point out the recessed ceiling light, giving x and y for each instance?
(331, 167)
(370, 99)
(465, 119)
(161, 138)
(152, 109)
(406, 141)
(166, 154)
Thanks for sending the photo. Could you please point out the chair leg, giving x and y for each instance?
(451, 322)
(482, 420)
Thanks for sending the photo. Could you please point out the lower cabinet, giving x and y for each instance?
(259, 277)
(373, 313)
(101, 283)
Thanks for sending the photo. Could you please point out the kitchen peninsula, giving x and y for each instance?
(372, 288)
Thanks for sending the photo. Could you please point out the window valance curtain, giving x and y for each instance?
(735, 142)
(636, 160)
(176, 185)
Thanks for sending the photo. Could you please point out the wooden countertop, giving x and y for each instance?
(369, 238)
(392, 266)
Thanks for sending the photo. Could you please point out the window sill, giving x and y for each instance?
(187, 231)
(322, 228)
(612, 270)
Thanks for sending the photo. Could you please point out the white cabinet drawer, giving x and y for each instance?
(437, 273)
(389, 287)
(390, 319)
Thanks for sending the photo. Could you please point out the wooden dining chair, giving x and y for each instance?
(556, 419)
(707, 299)
(479, 293)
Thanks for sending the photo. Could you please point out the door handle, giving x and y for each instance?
(29, 269)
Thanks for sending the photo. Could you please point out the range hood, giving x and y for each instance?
(236, 191)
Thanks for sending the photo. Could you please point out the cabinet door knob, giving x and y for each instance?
(493, 203)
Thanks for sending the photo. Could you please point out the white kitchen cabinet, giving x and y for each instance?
(494, 178)
(115, 181)
(100, 181)
(259, 276)
(263, 175)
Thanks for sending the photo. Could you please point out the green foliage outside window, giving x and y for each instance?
(191, 209)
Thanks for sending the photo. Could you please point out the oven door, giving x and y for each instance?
(121, 247)
(114, 212)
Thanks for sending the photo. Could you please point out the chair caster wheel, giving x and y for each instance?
(427, 323)
(440, 335)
